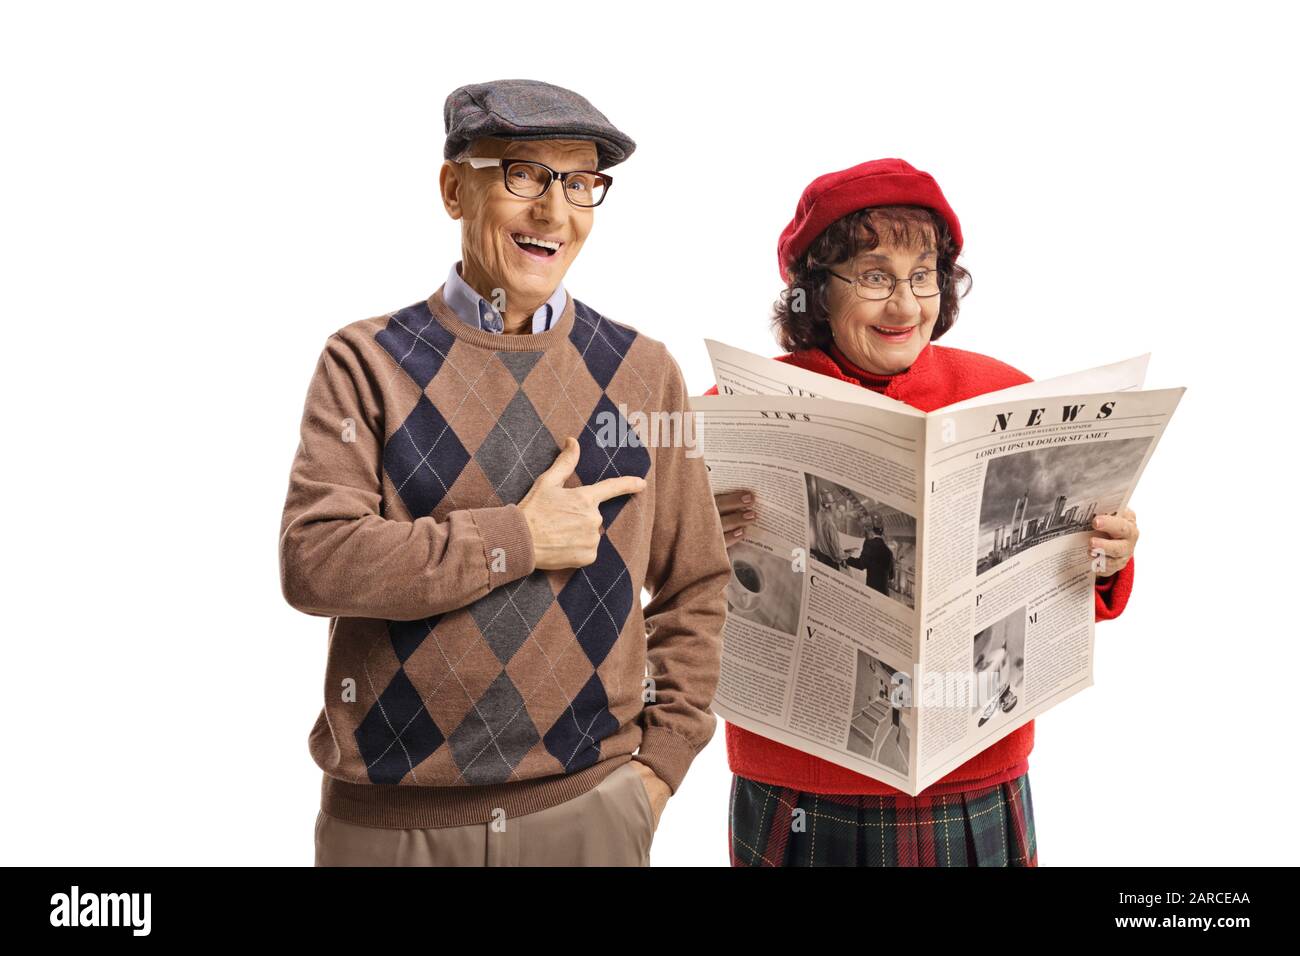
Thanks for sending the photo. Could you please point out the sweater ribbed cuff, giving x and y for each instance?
(667, 754)
(507, 543)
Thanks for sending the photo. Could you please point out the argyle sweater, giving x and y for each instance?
(939, 376)
(461, 679)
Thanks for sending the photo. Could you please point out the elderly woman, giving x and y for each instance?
(872, 280)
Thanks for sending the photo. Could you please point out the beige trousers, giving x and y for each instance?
(610, 825)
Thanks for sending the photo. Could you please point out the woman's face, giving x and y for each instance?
(885, 335)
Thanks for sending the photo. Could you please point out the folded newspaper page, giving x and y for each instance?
(917, 586)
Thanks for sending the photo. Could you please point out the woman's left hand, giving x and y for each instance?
(1117, 536)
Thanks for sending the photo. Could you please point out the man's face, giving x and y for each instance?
(493, 218)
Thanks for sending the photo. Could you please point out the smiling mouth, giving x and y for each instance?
(536, 246)
(893, 333)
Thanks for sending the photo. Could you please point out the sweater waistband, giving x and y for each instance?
(411, 807)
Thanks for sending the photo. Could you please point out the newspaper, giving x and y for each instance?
(917, 586)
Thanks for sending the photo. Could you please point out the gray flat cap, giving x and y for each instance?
(529, 109)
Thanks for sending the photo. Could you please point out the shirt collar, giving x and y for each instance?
(476, 311)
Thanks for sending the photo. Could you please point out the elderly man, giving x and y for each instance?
(474, 509)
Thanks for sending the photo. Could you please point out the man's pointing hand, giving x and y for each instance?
(565, 522)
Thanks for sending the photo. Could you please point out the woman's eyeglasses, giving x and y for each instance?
(527, 179)
(880, 285)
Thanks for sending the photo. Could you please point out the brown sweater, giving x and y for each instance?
(461, 680)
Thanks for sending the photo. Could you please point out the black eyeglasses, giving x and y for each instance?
(528, 179)
(878, 285)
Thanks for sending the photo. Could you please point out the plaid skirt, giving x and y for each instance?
(990, 826)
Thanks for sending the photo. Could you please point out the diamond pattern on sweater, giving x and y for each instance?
(406, 636)
(416, 341)
(519, 363)
(508, 614)
(397, 733)
(597, 600)
(424, 458)
(495, 735)
(516, 450)
(602, 459)
(574, 739)
(602, 344)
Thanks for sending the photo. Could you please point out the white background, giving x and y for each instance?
(196, 195)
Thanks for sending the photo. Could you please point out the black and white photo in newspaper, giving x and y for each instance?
(1008, 613)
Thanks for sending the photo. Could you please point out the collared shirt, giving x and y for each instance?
(477, 311)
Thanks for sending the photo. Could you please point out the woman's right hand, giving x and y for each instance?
(736, 509)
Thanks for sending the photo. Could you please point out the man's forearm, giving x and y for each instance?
(375, 567)
(339, 557)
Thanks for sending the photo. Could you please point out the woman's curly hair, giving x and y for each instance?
(800, 319)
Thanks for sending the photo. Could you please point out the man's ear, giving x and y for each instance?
(450, 184)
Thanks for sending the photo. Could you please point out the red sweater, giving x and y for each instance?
(939, 376)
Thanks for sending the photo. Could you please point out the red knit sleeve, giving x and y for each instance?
(1113, 592)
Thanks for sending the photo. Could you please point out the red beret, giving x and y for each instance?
(881, 182)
